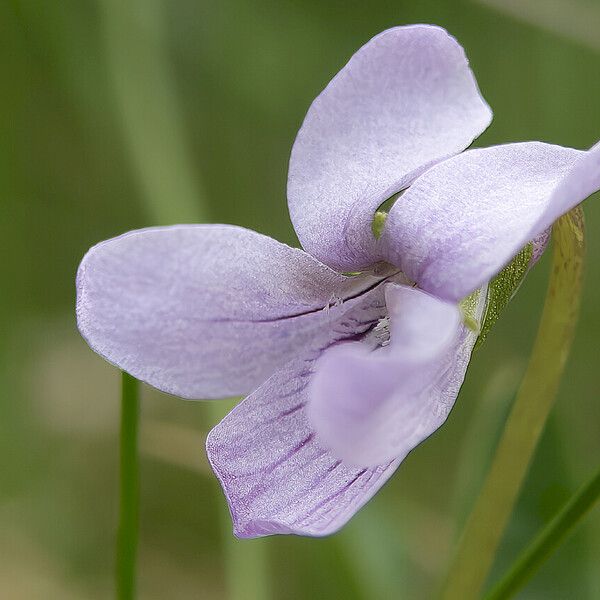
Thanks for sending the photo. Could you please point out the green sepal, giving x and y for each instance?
(502, 288)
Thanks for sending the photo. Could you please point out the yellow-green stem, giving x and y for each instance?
(485, 526)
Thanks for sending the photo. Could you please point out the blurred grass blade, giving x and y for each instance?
(246, 561)
(138, 65)
(577, 21)
(548, 540)
(485, 526)
(127, 536)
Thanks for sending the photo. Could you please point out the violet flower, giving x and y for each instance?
(345, 374)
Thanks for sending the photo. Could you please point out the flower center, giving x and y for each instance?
(379, 336)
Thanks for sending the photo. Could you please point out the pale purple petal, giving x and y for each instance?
(582, 181)
(205, 311)
(370, 406)
(465, 218)
(406, 99)
(276, 477)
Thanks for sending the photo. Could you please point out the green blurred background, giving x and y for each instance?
(117, 115)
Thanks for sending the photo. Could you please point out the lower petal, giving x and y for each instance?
(276, 476)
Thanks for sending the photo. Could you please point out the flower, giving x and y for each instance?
(345, 373)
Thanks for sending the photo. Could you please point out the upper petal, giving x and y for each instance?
(406, 99)
(205, 311)
(371, 406)
(464, 219)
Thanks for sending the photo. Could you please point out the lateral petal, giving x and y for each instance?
(206, 311)
(464, 219)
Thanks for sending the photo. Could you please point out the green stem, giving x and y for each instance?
(127, 536)
(486, 524)
(548, 540)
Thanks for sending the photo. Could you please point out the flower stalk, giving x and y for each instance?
(486, 524)
(127, 536)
